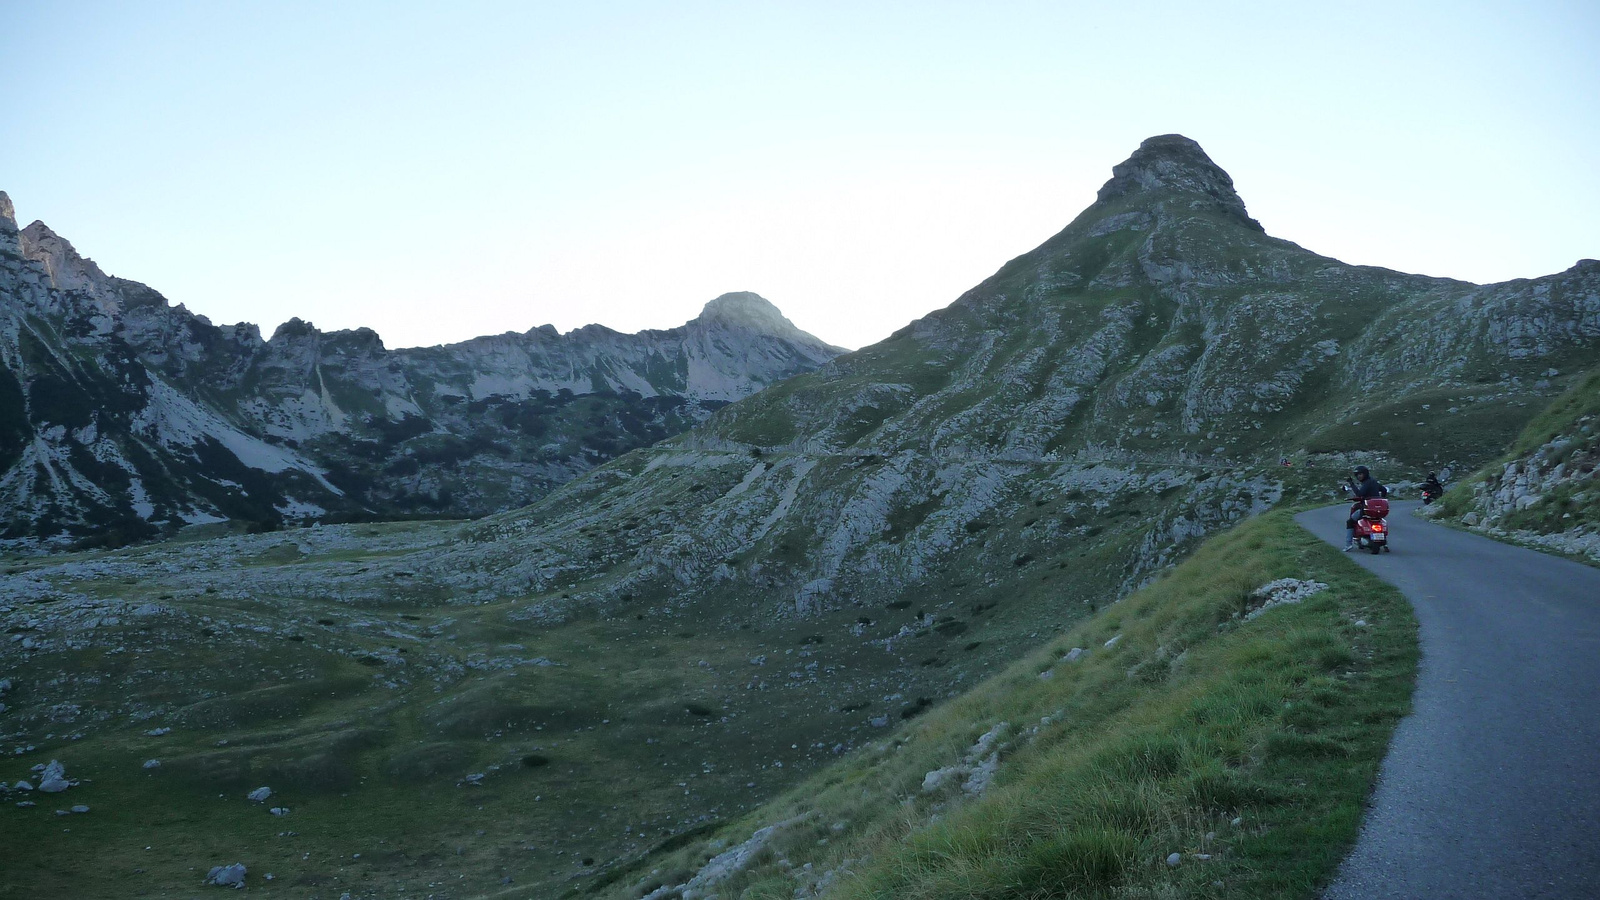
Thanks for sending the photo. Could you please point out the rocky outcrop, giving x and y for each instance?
(122, 415)
(1173, 162)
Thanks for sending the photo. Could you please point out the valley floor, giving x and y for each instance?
(436, 744)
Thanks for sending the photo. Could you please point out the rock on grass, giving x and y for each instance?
(227, 876)
(54, 779)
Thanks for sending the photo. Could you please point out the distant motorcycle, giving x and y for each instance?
(1429, 495)
(1372, 524)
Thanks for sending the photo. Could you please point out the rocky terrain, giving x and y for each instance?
(123, 417)
(1545, 493)
(560, 693)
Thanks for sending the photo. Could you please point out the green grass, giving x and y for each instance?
(1422, 429)
(1561, 417)
(1582, 399)
(1570, 504)
(632, 759)
(1193, 719)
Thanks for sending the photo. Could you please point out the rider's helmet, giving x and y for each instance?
(1363, 471)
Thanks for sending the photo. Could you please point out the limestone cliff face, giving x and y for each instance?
(128, 414)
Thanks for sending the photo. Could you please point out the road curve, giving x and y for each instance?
(1492, 785)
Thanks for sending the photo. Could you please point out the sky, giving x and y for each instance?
(440, 171)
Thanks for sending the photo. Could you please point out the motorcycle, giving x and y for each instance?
(1429, 495)
(1372, 524)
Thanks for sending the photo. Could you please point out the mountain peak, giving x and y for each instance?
(67, 269)
(1174, 162)
(746, 310)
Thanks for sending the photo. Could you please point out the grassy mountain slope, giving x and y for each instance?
(1544, 491)
(1186, 728)
(1151, 361)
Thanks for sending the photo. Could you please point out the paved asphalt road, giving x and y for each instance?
(1492, 785)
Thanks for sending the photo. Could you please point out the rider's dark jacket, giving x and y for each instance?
(1364, 490)
(1367, 490)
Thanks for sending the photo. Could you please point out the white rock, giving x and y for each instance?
(260, 794)
(152, 764)
(936, 779)
(1283, 591)
(54, 780)
(80, 809)
(1113, 641)
(982, 775)
(1073, 655)
(1173, 859)
(227, 876)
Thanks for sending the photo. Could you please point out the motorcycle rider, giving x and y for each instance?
(1362, 487)
(1432, 489)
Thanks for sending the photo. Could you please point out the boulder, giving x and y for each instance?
(227, 876)
(54, 779)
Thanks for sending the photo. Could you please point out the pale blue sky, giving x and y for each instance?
(438, 171)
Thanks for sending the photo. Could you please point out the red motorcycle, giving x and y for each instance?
(1372, 524)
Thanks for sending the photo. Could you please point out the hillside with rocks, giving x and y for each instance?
(550, 699)
(1118, 386)
(1546, 491)
(123, 417)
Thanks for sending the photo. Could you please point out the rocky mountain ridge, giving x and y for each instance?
(129, 415)
(1145, 362)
